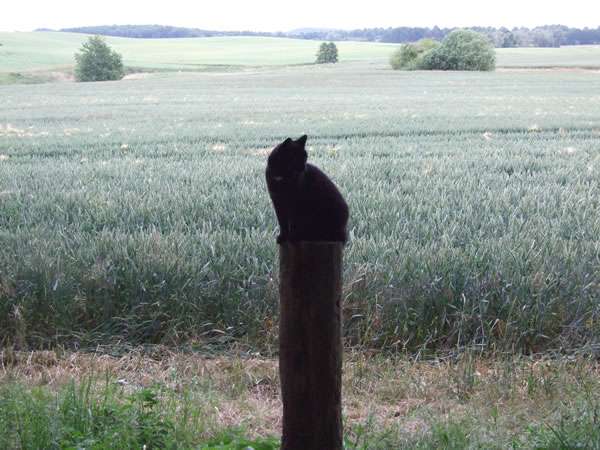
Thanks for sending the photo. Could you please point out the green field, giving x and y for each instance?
(53, 51)
(587, 56)
(138, 263)
(49, 50)
(137, 210)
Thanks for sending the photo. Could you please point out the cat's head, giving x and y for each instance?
(287, 159)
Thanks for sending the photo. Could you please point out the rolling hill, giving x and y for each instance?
(54, 50)
(29, 52)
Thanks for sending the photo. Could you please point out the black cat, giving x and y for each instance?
(308, 205)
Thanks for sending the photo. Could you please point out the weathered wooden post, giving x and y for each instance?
(310, 345)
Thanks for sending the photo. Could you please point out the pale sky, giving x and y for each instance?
(283, 15)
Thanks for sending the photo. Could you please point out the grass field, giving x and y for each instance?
(48, 50)
(137, 210)
(53, 51)
(568, 56)
(135, 213)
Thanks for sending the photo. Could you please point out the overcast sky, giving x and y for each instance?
(283, 15)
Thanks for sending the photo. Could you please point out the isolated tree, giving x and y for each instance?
(333, 52)
(328, 53)
(96, 61)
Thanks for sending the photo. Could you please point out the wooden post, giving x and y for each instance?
(310, 345)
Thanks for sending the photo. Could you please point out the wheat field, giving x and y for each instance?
(136, 211)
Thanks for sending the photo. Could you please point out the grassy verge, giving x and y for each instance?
(174, 400)
(25, 78)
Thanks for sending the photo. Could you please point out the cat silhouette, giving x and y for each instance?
(308, 205)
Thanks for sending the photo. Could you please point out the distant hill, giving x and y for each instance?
(543, 36)
(159, 31)
(28, 51)
(298, 31)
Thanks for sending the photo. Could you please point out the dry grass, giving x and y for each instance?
(390, 393)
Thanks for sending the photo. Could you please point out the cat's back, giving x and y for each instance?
(318, 178)
(320, 185)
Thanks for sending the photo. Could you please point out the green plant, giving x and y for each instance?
(234, 440)
(96, 61)
(328, 53)
(409, 56)
(461, 50)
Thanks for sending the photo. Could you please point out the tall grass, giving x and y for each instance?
(186, 401)
(104, 416)
(137, 211)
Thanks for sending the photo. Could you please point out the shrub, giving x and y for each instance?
(461, 50)
(96, 61)
(409, 56)
(328, 53)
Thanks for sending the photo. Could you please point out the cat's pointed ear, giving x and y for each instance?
(302, 140)
(287, 141)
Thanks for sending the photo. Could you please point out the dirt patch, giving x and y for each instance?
(136, 76)
(259, 151)
(219, 148)
(61, 76)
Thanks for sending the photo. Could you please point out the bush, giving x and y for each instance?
(461, 50)
(409, 56)
(96, 61)
(328, 53)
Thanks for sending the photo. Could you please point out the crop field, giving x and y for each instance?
(137, 212)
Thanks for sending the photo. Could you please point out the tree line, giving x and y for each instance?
(159, 31)
(543, 36)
